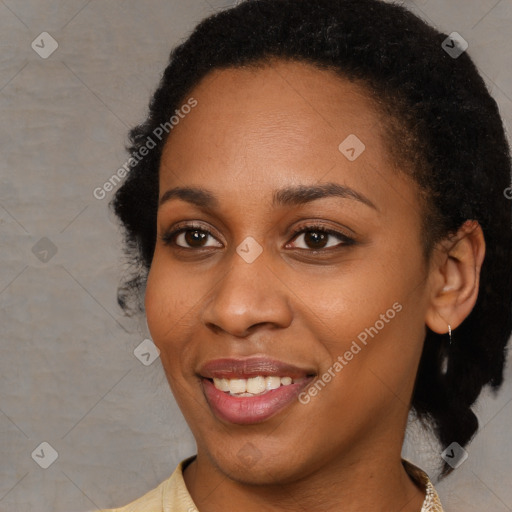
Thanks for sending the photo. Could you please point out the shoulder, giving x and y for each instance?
(169, 495)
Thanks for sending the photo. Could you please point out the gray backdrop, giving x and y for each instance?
(68, 373)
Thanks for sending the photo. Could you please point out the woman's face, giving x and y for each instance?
(302, 262)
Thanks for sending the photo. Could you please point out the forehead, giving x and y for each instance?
(275, 124)
(283, 98)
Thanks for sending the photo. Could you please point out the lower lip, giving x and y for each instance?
(246, 410)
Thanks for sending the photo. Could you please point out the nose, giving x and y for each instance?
(249, 296)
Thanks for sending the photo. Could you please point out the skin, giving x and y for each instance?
(253, 132)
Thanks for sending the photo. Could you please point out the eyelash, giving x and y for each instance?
(169, 238)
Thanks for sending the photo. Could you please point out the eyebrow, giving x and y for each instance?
(289, 196)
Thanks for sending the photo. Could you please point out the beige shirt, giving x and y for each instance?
(172, 494)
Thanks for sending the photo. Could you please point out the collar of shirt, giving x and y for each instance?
(172, 494)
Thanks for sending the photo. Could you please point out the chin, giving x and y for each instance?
(249, 466)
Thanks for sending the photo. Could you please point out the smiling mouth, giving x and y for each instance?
(251, 390)
(245, 408)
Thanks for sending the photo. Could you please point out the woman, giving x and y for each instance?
(316, 212)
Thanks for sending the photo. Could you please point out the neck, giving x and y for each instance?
(374, 482)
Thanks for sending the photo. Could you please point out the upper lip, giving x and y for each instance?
(234, 368)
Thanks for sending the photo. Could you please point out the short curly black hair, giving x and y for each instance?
(452, 143)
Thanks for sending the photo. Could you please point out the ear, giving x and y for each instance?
(455, 277)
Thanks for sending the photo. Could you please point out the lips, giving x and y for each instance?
(244, 408)
(250, 367)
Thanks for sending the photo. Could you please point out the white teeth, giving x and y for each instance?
(222, 384)
(256, 385)
(237, 385)
(272, 382)
(249, 387)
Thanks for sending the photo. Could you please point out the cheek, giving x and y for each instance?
(371, 314)
(352, 299)
(154, 301)
(169, 299)
(376, 326)
(172, 302)
(163, 311)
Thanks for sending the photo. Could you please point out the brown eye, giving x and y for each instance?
(195, 238)
(189, 238)
(313, 238)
